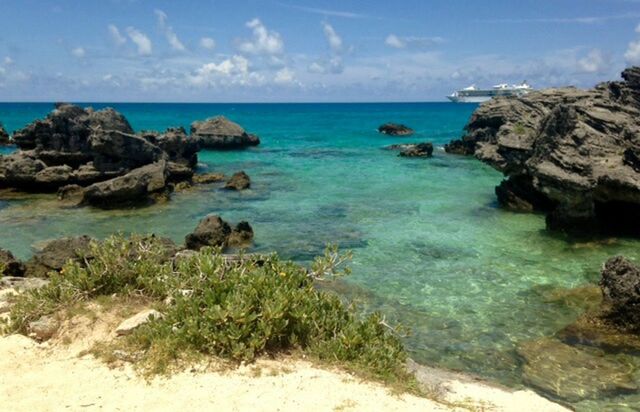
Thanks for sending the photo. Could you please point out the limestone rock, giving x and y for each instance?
(129, 325)
(211, 231)
(620, 285)
(221, 133)
(241, 235)
(4, 137)
(239, 181)
(55, 253)
(9, 265)
(206, 178)
(395, 129)
(43, 328)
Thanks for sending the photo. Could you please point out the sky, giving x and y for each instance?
(306, 51)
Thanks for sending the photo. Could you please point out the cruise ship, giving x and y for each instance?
(472, 94)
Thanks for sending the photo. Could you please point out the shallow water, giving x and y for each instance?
(431, 248)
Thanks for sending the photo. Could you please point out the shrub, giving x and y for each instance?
(236, 311)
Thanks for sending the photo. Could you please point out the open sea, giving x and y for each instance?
(431, 247)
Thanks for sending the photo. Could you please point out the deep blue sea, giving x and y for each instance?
(431, 247)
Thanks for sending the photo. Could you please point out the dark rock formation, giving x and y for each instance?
(215, 232)
(211, 231)
(4, 137)
(206, 178)
(179, 147)
(55, 253)
(221, 133)
(239, 181)
(395, 129)
(418, 150)
(620, 285)
(9, 265)
(572, 153)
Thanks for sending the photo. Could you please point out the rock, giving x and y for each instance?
(239, 181)
(395, 129)
(19, 170)
(21, 284)
(595, 330)
(241, 235)
(178, 172)
(71, 193)
(211, 231)
(135, 187)
(53, 177)
(129, 325)
(221, 133)
(574, 373)
(114, 150)
(178, 146)
(9, 265)
(620, 284)
(206, 178)
(55, 253)
(4, 137)
(418, 150)
(570, 153)
(43, 328)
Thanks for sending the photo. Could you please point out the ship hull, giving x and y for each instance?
(469, 99)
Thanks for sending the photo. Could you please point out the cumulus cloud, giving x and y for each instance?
(632, 55)
(234, 70)
(207, 43)
(141, 41)
(284, 76)
(171, 35)
(332, 65)
(115, 35)
(264, 41)
(594, 62)
(8, 61)
(398, 42)
(78, 52)
(335, 41)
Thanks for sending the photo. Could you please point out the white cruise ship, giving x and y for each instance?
(472, 94)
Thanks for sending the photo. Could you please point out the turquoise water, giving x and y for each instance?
(431, 247)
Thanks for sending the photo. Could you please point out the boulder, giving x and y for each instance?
(178, 172)
(211, 231)
(206, 178)
(239, 181)
(115, 150)
(241, 235)
(134, 187)
(129, 325)
(55, 253)
(395, 129)
(19, 170)
(4, 137)
(417, 150)
(9, 265)
(43, 328)
(179, 147)
(53, 177)
(620, 284)
(571, 153)
(71, 193)
(221, 133)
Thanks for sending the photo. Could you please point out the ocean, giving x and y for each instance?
(431, 247)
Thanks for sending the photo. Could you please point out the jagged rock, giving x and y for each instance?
(574, 373)
(4, 137)
(206, 178)
(575, 150)
(418, 150)
(43, 328)
(9, 265)
(241, 235)
(114, 150)
(134, 187)
(620, 284)
(175, 142)
(395, 129)
(19, 170)
(239, 181)
(71, 193)
(129, 325)
(178, 172)
(211, 231)
(55, 253)
(53, 176)
(221, 133)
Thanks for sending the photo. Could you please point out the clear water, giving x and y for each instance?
(431, 247)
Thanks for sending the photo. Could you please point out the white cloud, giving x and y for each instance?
(394, 41)
(594, 62)
(116, 37)
(8, 61)
(171, 36)
(141, 41)
(632, 54)
(78, 52)
(284, 76)
(332, 65)
(638, 28)
(335, 41)
(207, 43)
(264, 41)
(234, 70)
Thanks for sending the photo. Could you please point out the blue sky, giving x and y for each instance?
(285, 50)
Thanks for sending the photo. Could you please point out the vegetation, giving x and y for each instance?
(236, 311)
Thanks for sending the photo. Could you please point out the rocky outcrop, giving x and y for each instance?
(222, 134)
(4, 137)
(395, 129)
(417, 150)
(239, 181)
(214, 232)
(620, 284)
(9, 265)
(55, 253)
(574, 154)
(179, 147)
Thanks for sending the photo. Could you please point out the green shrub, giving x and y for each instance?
(235, 311)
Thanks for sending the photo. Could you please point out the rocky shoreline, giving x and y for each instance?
(572, 154)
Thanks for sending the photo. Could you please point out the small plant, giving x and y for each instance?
(235, 311)
(519, 129)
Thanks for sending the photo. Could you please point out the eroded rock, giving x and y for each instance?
(129, 325)
(211, 231)
(239, 181)
(9, 265)
(395, 129)
(221, 133)
(55, 253)
(620, 284)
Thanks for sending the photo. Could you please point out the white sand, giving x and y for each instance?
(54, 377)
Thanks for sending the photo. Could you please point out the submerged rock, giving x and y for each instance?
(221, 133)
(206, 178)
(620, 285)
(239, 181)
(571, 153)
(413, 149)
(9, 265)
(574, 373)
(241, 235)
(395, 129)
